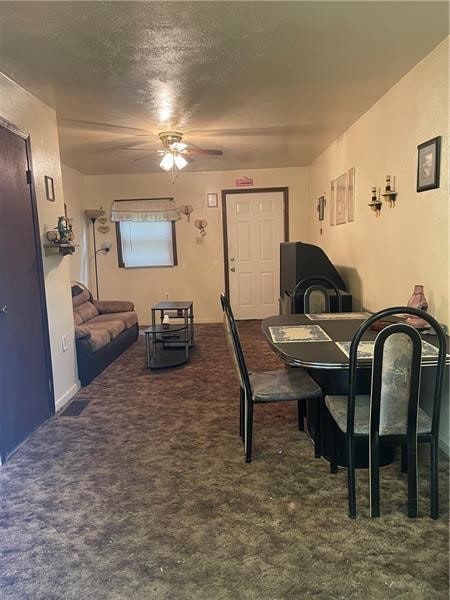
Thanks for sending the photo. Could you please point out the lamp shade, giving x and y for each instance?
(180, 161)
(167, 162)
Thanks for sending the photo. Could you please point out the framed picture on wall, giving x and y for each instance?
(428, 164)
(341, 212)
(332, 203)
(49, 188)
(212, 200)
(351, 195)
(321, 207)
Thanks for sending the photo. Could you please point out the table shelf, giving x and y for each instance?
(183, 310)
(166, 346)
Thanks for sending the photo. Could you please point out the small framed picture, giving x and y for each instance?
(428, 164)
(351, 195)
(321, 207)
(341, 212)
(332, 203)
(212, 200)
(49, 188)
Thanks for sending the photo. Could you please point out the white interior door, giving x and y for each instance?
(255, 228)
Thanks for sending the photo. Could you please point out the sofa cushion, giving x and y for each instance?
(86, 311)
(81, 331)
(128, 318)
(82, 296)
(99, 338)
(113, 306)
(77, 319)
(112, 326)
(76, 290)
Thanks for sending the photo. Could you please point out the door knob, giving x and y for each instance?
(3, 309)
(233, 269)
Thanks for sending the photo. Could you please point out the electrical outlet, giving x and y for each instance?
(64, 343)
(167, 295)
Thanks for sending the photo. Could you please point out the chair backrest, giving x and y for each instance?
(316, 299)
(234, 343)
(316, 294)
(396, 371)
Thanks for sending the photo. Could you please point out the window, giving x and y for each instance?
(146, 243)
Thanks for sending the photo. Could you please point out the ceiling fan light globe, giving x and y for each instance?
(167, 162)
(178, 146)
(180, 162)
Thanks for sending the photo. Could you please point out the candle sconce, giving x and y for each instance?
(186, 209)
(389, 193)
(376, 202)
(201, 224)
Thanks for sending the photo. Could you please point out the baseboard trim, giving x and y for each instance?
(67, 396)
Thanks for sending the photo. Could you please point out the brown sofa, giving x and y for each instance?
(103, 330)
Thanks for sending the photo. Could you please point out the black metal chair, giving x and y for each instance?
(392, 410)
(316, 299)
(265, 386)
(316, 296)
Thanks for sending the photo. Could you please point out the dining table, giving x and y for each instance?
(320, 343)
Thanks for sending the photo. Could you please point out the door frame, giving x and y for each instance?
(225, 193)
(40, 268)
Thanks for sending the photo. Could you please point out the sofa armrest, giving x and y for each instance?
(81, 331)
(113, 306)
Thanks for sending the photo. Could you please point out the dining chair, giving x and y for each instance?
(265, 386)
(392, 409)
(316, 299)
(316, 294)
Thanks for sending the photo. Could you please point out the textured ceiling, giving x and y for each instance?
(269, 83)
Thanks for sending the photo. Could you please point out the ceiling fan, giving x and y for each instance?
(177, 154)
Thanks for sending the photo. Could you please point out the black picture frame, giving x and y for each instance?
(49, 188)
(321, 207)
(428, 164)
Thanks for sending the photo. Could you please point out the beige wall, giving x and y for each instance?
(199, 275)
(73, 186)
(384, 257)
(30, 115)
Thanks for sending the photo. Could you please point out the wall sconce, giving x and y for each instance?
(321, 203)
(186, 209)
(376, 203)
(201, 224)
(389, 193)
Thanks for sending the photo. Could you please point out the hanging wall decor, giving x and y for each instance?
(428, 164)
(389, 193)
(351, 195)
(375, 202)
(341, 212)
(49, 188)
(332, 210)
(321, 203)
(212, 200)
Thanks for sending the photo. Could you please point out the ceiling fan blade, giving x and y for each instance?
(96, 125)
(194, 151)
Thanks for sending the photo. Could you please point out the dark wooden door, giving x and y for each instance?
(26, 389)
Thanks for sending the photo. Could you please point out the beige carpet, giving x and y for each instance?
(145, 495)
